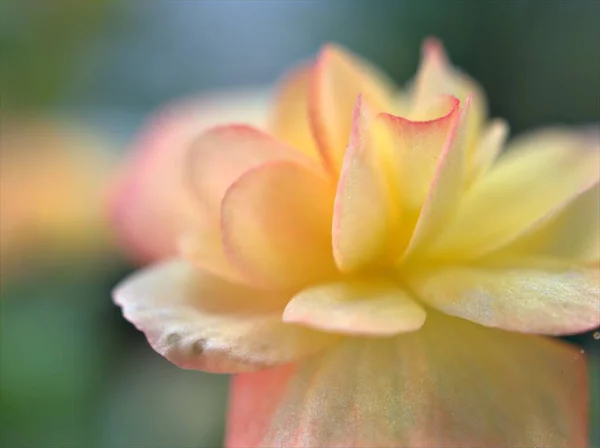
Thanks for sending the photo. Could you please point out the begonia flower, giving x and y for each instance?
(371, 263)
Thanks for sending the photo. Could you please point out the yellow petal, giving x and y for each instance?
(446, 187)
(571, 233)
(537, 176)
(365, 217)
(289, 120)
(198, 321)
(359, 307)
(450, 384)
(276, 224)
(415, 150)
(528, 300)
(337, 79)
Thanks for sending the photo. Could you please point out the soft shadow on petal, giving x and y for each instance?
(487, 149)
(553, 301)
(450, 384)
(203, 247)
(539, 175)
(366, 217)
(337, 78)
(368, 307)
(150, 203)
(198, 321)
(276, 224)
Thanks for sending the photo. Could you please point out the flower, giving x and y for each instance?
(371, 266)
(52, 182)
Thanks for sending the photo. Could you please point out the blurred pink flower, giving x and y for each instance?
(368, 263)
(52, 185)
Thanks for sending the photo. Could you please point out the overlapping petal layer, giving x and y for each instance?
(219, 156)
(452, 383)
(366, 215)
(446, 188)
(337, 79)
(217, 160)
(548, 301)
(198, 321)
(415, 148)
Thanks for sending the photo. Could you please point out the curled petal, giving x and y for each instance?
(416, 148)
(450, 384)
(150, 202)
(276, 224)
(373, 308)
(198, 321)
(446, 186)
(554, 302)
(365, 217)
(436, 76)
(523, 182)
(337, 78)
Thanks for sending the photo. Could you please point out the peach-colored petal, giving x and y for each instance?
(289, 120)
(539, 175)
(150, 204)
(216, 160)
(446, 186)
(338, 77)
(365, 217)
(529, 300)
(450, 384)
(416, 148)
(436, 76)
(222, 154)
(356, 307)
(198, 321)
(276, 224)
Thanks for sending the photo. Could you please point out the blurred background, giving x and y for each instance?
(78, 79)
